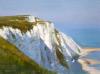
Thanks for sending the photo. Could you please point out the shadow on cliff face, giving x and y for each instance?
(76, 68)
(36, 48)
(73, 67)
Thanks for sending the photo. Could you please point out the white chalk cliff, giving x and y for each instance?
(44, 44)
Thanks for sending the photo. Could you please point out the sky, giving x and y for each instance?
(65, 14)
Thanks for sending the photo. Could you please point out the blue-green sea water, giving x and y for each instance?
(86, 37)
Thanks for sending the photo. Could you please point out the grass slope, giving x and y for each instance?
(13, 61)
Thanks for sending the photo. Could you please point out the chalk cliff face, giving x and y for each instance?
(40, 41)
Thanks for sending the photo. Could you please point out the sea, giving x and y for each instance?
(87, 37)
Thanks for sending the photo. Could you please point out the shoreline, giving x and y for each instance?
(86, 62)
(88, 50)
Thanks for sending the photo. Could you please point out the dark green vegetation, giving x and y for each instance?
(61, 59)
(13, 61)
(59, 55)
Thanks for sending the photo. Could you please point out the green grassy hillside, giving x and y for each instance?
(13, 61)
